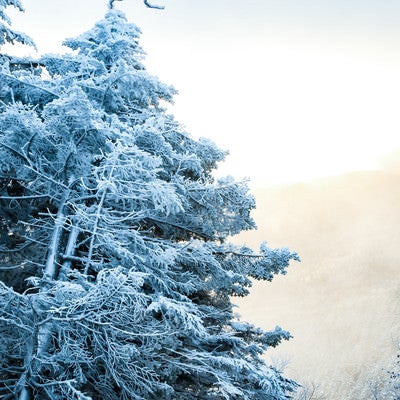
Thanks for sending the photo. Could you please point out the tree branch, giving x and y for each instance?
(19, 81)
(111, 4)
(146, 2)
(16, 152)
(35, 196)
(183, 228)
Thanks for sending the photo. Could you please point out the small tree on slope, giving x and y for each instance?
(116, 278)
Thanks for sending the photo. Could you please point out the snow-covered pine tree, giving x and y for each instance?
(116, 273)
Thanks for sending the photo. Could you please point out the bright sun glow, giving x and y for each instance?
(288, 113)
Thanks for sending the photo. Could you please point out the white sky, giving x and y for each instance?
(294, 89)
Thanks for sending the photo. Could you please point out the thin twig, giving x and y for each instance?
(153, 5)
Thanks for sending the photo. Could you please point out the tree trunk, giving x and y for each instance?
(69, 252)
(44, 330)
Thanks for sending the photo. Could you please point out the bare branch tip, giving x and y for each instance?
(111, 3)
(146, 2)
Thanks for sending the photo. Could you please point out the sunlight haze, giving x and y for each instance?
(294, 90)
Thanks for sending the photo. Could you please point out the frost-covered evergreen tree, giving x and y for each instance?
(116, 276)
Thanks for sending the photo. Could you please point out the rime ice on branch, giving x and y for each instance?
(8, 35)
(116, 274)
